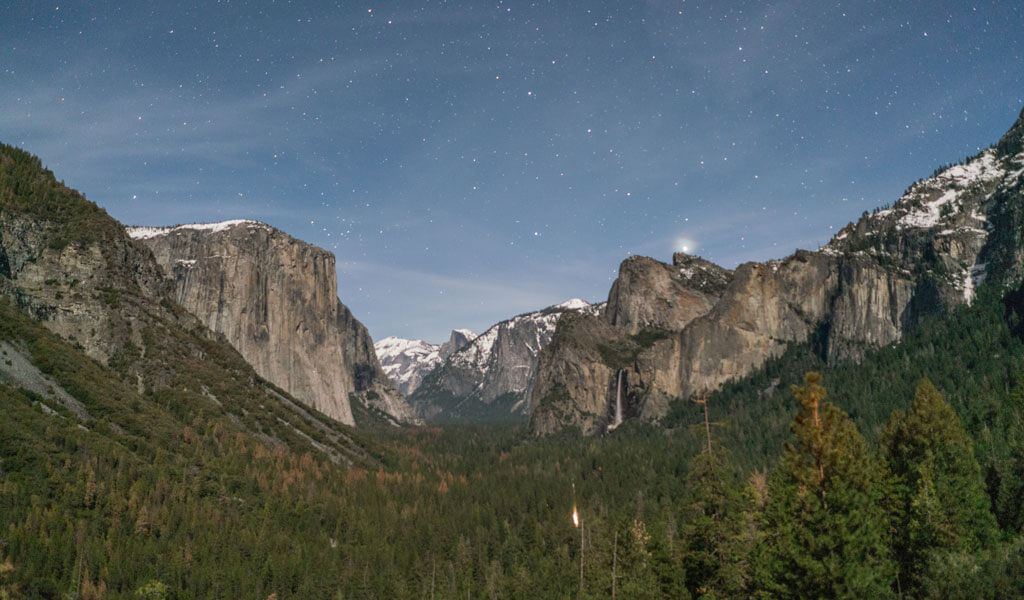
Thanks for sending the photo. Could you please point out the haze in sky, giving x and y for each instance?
(468, 161)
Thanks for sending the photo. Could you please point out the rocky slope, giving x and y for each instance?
(406, 362)
(124, 350)
(875, 279)
(67, 263)
(490, 378)
(275, 300)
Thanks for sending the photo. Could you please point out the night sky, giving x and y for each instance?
(468, 161)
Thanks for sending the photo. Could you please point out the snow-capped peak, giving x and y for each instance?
(573, 304)
(393, 346)
(406, 362)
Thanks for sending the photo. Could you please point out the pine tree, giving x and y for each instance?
(715, 531)
(825, 528)
(638, 578)
(940, 503)
(1009, 472)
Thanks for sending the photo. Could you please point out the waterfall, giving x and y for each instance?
(619, 402)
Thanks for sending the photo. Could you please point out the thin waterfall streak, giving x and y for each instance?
(618, 401)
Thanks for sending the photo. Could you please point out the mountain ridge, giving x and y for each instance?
(875, 279)
(489, 377)
(73, 271)
(406, 362)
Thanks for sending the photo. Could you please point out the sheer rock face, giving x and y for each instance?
(628, 351)
(649, 293)
(572, 378)
(873, 281)
(275, 300)
(491, 377)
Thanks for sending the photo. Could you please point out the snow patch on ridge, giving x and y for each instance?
(405, 361)
(145, 233)
(933, 202)
(572, 304)
(951, 182)
(477, 354)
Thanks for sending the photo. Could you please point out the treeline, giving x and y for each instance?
(26, 188)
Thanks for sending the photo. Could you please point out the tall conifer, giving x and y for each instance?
(716, 527)
(825, 528)
(940, 501)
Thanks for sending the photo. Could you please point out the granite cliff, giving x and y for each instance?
(135, 365)
(620, 356)
(274, 298)
(662, 338)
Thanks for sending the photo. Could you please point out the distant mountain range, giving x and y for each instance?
(668, 331)
(473, 378)
(406, 362)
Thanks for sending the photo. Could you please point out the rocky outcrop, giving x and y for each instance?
(275, 300)
(621, 360)
(68, 264)
(873, 281)
(491, 377)
(649, 293)
(458, 340)
(573, 376)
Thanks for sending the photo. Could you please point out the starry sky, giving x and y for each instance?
(471, 160)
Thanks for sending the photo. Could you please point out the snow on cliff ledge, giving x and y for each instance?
(145, 233)
(923, 203)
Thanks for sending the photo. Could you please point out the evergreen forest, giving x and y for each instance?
(899, 476)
